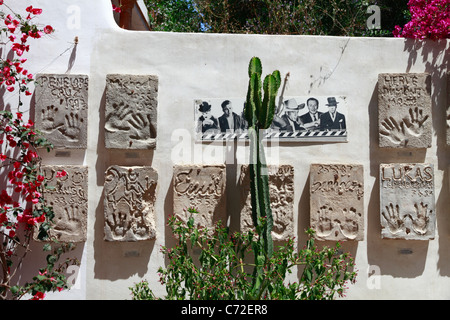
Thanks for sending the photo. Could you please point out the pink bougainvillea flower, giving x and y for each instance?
(38, 296)
(48, 29)
(61, 174)
(36, 34)
(35, 11)
(116, 9)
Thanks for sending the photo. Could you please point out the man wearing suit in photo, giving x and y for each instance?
(229, 121)
(332, 120)
(311, 120)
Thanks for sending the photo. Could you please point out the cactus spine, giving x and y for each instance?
(259, 112)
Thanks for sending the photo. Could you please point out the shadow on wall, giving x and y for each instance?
(117, 259)
(431, 55)
(407, 258)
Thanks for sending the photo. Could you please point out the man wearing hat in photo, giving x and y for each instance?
(332, 120)
(206, 122)
(289, 120)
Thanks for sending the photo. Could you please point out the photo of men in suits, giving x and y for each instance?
(297, 118)
(332, 120)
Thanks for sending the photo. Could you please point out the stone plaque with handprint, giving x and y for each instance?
(129, 203)
(337, 201)
(62, 109)
(404, 110)
(131, 111)
(66, 193)
(407, 201)
(281, 191)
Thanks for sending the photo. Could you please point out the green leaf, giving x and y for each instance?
(14, 289)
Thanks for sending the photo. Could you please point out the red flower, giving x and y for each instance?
(38, 296)
(36, 11)
(32, 10)
(60, 174)
(116, 9)
(48, 29)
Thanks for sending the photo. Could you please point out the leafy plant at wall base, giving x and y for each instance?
(214, 265)
(23, 209)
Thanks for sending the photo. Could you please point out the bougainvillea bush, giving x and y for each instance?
(430, 19)
(24, 214)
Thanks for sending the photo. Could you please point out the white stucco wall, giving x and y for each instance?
(191, 66)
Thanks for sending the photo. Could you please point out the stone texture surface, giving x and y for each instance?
(129, 199)
(69, 198)
(203, 188)
(337, 201)
(131, 111)
(407, 201)
(281, 185)
(404, 110)
(61, 109)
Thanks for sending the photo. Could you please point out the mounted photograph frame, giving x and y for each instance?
(217, 119)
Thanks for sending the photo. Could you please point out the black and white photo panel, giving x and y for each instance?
(299, 118)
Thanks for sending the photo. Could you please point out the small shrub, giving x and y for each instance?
(220, 269)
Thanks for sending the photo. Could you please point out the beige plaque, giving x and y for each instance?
(404, 110)
(67, 194)
(202, 188)
(407, 201)
(281, 191)
(337, 201)
(130, 194)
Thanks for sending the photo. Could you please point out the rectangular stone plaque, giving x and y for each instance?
(281, 190)
(202, 188)
(61, 109)
(407, 201)
(404, 110)
(129, 203)
(69, 198)
(337, 201)
(131, 111)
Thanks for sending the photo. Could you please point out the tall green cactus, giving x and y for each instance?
(259, 112)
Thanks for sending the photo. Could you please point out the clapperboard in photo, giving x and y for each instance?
(299, 118)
